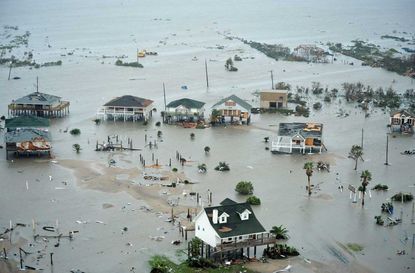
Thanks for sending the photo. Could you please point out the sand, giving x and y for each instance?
(96, 176)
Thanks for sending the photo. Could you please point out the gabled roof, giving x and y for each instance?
(27, 121)
(129, 101)
(236, 99)
(26, 135)
(188, 103)
(227, 201)
(234, 226)
(38, 98)
(303, 129)
(405, 112)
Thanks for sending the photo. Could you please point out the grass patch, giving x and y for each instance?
(355, 247)
(162, 264)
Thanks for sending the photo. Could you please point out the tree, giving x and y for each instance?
(195, 246)
(253, 200)
(202, 168)
(356, 152)
(207, 149)
(75, 132)
(244, 187)
(366, 176)
(308, 166)
(215, 116)
(280, 232)
(76, 147)
(222, 166)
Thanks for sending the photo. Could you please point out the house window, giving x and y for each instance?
(230, 103)
(229, 239)
(272, 104)
(223, 219)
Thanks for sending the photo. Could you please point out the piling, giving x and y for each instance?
(21, 259)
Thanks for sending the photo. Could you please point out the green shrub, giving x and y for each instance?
(407, 197)
(253, 200)
(244, 187)
(75, 132)
(380, 187)
(222, 166)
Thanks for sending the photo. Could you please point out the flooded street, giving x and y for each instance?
(87, 195)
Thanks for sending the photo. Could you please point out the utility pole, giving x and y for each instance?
(10, 70)
(272, 80)
(164, 94)
(207, 77)
(387, 150)
(37, 84)
(362, 140)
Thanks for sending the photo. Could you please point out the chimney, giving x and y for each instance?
(215, 216)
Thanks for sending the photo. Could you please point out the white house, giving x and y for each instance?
(303, 137)
(231, 109)
(402, 121)
(184, 110)
(126, 108)
(228, 223)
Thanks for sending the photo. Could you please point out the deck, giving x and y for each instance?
(266, 240)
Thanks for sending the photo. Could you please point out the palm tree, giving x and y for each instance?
(280, 232)
(76, 147)
(356, 152)
(366, 176)
(308, 166)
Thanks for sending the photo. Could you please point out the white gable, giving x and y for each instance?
(204, 230)
(244, 215)
(223, 218)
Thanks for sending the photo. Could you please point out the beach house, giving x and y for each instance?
(228, 228)
(273, 99)
(125, 108)
(402, 121)
(39, 104)
(231, 109)
(297, 136)
(184, 110)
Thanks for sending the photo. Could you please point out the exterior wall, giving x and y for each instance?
(110, 112)
(276, 97)
(204, 231)
(233, 111)
(241, 238)
(184, 111)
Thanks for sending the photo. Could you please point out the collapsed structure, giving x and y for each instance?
(297, 136)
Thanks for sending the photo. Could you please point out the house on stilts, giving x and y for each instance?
(39, 104)
(27, 135)
(300, 137)
(230, 230)
(402, 121)
(232, 110)
(184, 110)
(126, 108)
